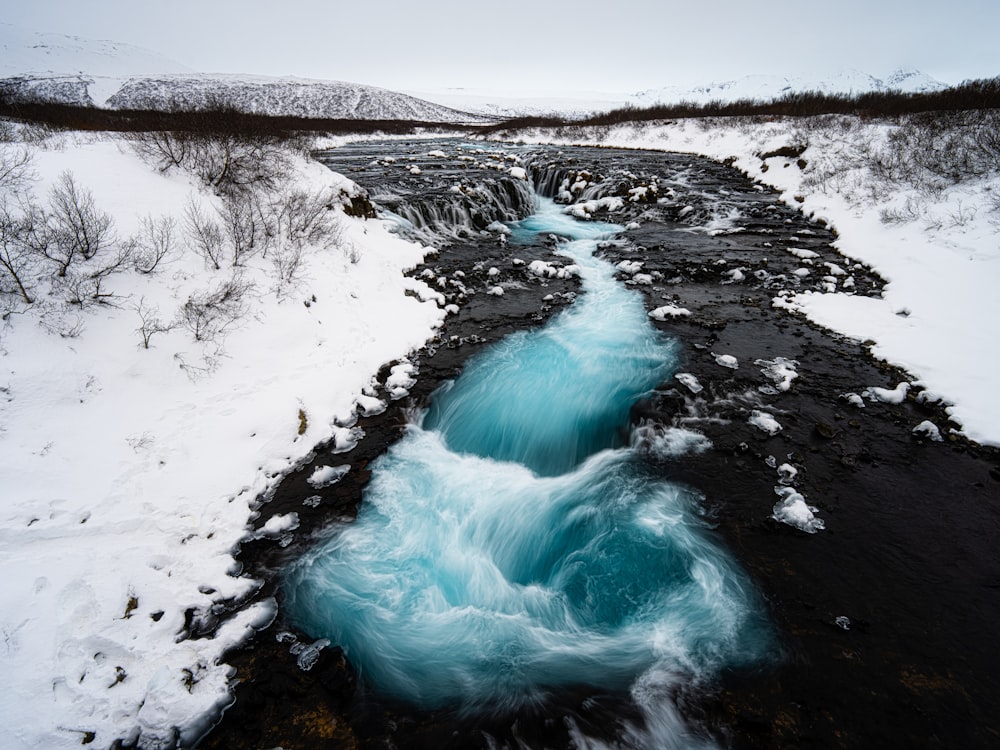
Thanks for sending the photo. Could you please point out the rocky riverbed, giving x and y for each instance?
(884, 615)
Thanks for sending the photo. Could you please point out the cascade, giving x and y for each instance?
(513, 545)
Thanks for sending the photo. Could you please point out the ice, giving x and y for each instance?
(726, 360)
(690, 382)
(668, 442)
(668, 311)
(793, 510)
(787, 473)
(780, 371)
(764, 422)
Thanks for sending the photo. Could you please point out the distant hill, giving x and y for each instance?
(72, 70)
(767, 87)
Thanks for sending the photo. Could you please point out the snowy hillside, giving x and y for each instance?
(281, 96)
(765, 87)
(74, 70)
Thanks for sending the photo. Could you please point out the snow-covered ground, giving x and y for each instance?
(938, 247)
(129, 474)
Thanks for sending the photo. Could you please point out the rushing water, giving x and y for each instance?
(513, 543)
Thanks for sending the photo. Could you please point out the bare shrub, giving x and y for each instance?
(154, 242)
(85, 284)
(300, 219)
(19, 263)
(911, 210)
(150, 322)
(77, 229)
(305, 218)
(231, 163)
(162, 149)
(15, 170)
(244, 225)
(204, 234)
(210, 314)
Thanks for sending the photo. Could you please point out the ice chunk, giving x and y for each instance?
(793, 510)
(779, 371)
(690, 382)
(668, 311)
(668, 442)
(726, 360)
(764, 422)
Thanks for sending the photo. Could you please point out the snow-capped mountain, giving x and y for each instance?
(281, 96)
(766, 87)
(74, 70)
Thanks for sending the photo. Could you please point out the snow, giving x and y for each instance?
(324, 476)
(76, 70)
(668, 311)
(764, 422)
(690, 382)
(780, 371)
(726, 360)
(664, 443)
(130, 475)
(793, 510)
(767, 87)
(887, 395)
(942, 264)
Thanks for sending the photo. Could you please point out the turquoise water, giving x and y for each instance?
(512, 544)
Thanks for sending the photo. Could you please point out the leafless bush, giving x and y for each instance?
(305, 218)
(163, 149)
(911, 210)
(227, 162)
(154, 242)
(77, 229)
(244, 225)
(300, 219)
(211, 314)
(19, 264)
(15, 170)
(150, 322)
(85, 284)
(204, 234)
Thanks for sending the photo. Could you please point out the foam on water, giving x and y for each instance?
(513, 543)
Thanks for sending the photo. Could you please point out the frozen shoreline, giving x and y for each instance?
(937, 316)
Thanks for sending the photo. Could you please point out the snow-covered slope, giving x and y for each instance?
(766, 87)
(74, 70)
(281, 96)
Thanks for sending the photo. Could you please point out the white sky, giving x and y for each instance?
(524, 46)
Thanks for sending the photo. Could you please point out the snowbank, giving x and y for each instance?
(130, 474)
(937, 249)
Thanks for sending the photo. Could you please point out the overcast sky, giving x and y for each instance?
(521, 46)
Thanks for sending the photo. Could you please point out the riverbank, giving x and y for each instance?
(876, 629)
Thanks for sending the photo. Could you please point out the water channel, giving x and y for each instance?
(573, 542)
